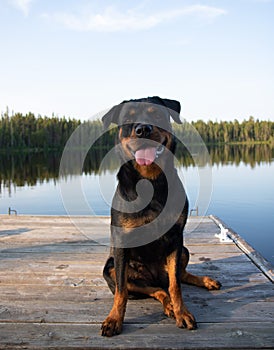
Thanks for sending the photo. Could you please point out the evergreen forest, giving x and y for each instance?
(28, 132)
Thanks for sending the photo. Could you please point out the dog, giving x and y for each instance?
(147, 255)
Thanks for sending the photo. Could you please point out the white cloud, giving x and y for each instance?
(112, 20)
(22, 5)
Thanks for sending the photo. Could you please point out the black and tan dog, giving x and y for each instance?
(147, 256)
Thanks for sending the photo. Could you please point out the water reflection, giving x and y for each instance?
(251, 155)
(21, 169)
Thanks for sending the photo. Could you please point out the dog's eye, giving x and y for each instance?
(125, 130)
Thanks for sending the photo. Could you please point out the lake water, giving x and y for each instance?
(242, 189)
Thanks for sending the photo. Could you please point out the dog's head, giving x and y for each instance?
(145, 130)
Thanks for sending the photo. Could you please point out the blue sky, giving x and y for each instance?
(77, 58)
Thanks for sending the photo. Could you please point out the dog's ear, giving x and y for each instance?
(174, 109)
(111, 116)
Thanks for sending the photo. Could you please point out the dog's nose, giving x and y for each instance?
(143, 130)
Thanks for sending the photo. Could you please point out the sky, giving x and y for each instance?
(78, 58)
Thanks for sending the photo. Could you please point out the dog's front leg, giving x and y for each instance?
(113, 323)
(184, 319)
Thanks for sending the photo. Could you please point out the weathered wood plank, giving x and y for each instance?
(57, 269)
(93, 308)
(86, 255)
(139, 336)
(87, 247)
(47, 228)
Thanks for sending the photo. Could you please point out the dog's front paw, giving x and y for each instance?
(111, 327)
(186, 320)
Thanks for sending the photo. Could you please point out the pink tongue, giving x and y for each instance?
(145, 156)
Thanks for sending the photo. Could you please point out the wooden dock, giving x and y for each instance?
(53, 295)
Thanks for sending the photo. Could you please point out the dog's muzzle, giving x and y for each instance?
(147, 153)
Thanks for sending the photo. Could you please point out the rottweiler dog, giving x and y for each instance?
(148, 214)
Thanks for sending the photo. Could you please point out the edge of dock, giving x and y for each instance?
(264, 265)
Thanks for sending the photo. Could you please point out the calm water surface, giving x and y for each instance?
(242, 194)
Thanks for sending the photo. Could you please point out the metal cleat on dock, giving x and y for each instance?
(223, 235)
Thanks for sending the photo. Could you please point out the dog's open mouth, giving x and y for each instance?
(146, 156)
(146, 153)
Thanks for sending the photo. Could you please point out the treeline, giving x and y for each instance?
(30, 132)
(43, 133)
(247, 131)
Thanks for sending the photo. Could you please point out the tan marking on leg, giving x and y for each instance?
(114, 322)
(183, 317)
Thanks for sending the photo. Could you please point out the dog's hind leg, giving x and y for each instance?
(199, 281)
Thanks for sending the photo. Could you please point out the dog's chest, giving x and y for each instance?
(156, 251)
